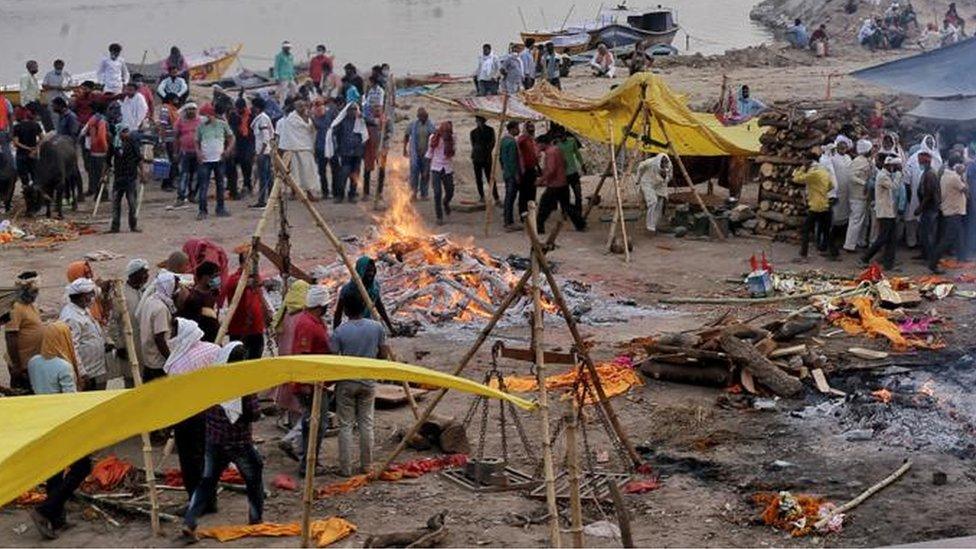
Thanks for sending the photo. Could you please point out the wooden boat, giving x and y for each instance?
(205, 66)
(571, 44)
(623, 27)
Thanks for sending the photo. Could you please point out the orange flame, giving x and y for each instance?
(883, 395)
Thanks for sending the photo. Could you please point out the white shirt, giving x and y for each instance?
(528, 63)
(172, 85)
(487, 67)
(86, 335)
(295, 133)
(30, 89)
(134, 111)
(263, 132)
(53, 79)
(113, 74)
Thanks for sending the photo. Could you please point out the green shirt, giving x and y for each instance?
(571, 155)
(284, 67)
(508, 157)
(211, 136)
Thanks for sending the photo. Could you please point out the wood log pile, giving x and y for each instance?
(793, 130)
(430, 280)
(769, 357)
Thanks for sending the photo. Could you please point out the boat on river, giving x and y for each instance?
(615, 27)
(205, 66)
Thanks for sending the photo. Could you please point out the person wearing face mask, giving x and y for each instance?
(56, 83)
(215, 143)
(86, 334)
(24, 331)
(885, 210)
(954, 191)
(200, 303)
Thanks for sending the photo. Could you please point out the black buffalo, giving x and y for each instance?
(58, 175)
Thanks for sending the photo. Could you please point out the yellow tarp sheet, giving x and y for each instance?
(693, 133)
(40, 435)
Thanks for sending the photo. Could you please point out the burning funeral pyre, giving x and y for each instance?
(431, 280)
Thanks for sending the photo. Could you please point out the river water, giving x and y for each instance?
(412, 35)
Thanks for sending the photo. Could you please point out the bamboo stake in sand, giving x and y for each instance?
(573, 473)
(147, 456)
(864, 495)
(311, 459)
(538, 331)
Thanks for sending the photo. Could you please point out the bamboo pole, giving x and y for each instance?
(147, 455)
(864, 495)
(623, 516)
(102, 181)
(514, 293)
(691, 185)
(538, 334)
(619, 214)
(311, 450)
(492, 170)
(573, 468)
(604, 401)
(324, 227)
(249, 260)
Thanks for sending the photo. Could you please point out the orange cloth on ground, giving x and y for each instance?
(409, 469)
(873, 323)
(174, 477)
(615, 378)
(31, 497)
(106, 474)
(772, 516)
(324, 532)
(950, 263)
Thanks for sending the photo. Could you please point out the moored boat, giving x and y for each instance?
(204, 66)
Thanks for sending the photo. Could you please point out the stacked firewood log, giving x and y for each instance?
(794, 129)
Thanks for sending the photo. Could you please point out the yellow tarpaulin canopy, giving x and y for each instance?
(693, 133)
(40, 435)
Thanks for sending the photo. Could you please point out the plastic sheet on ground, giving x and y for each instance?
(45, 433)
(323, 532)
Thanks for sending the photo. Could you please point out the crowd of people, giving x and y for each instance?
(174, 317)
(869, 198)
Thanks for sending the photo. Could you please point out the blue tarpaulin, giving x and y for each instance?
(945, 72)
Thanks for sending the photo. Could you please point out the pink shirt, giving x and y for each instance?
(186, 133)
(200, 355)
(286, 337)
(439, 162)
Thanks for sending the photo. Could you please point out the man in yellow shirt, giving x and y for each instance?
(817, 181)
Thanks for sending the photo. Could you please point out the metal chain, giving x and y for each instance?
(521, 432)
(484, 431)
(501, 414)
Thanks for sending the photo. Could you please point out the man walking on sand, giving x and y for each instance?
(885, 211)
(556, 192)
(415, 147)
(215, 142)
(284, 72)
(361, 337)
(127, 163)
